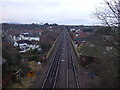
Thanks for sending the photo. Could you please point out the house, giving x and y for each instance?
(78, 30)
(26, 45)
(22, 37)
(72, 29)
(25, 33)
(32, 38)
(16, 35)
(25, 39)
(109, 48)
(15, 44)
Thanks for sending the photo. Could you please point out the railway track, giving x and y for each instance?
(50, 79)
(73, 81)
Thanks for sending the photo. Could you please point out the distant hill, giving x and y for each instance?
(8, 26)
(18, 26)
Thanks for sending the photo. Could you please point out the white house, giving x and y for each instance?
(78, 30)
(15, 44)
(22, 37)
(17, 38)
(33, 46)
(72, 29)
(25, 33)
(32, 38)
(25, 45)
(40, 33)
(109, 48)
(77, 35)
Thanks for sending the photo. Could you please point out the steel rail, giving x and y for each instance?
(72, 62)
(53, 67)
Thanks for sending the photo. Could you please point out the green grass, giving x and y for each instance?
(96, 51)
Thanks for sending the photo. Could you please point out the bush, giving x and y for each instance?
(45, 46)
(25, 69)
(33, 58)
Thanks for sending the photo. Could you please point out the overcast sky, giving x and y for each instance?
(71, 12)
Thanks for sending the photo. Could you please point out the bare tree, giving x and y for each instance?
(109, 15)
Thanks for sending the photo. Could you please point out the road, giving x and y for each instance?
(62, 68)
